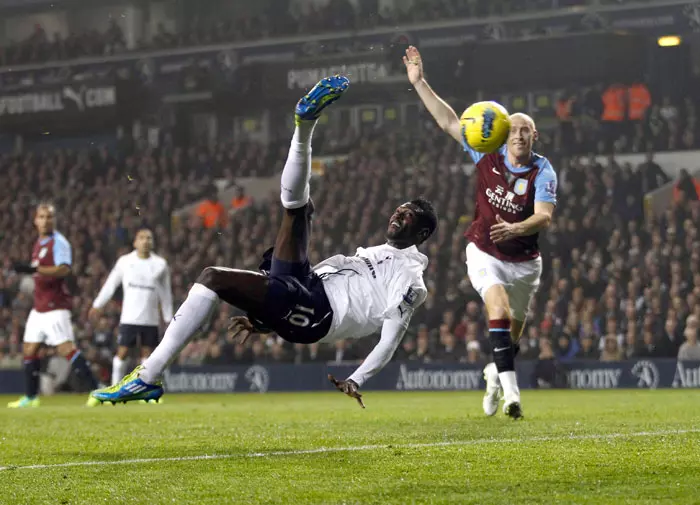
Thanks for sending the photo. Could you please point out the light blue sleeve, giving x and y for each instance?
(476, 155)
(546, 183)
(62, 254)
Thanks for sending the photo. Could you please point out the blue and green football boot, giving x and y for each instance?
(131, 388)
(24, 402)
(325, 92)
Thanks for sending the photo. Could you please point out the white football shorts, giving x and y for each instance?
(50, 328)
(521, 279)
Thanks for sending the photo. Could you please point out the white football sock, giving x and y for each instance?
(190, 317)
(509, 382)
(118, 369)
(494, 383)
(297, 169)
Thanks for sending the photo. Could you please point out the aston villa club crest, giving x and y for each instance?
(520, 187)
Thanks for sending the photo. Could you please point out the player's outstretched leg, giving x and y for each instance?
(247, 291)
(243, 289)
(291, 244)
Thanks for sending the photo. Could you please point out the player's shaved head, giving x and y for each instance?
(521, 116)
(523, 134)
(44, 218)
(46, 206)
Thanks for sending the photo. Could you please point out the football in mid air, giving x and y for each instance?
(485, 126)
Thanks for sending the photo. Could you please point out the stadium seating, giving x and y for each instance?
(336, 15)
(614, 286)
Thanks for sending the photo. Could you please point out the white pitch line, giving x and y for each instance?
(325, 450)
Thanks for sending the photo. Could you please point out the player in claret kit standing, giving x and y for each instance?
(342, 297)
(49, 321)
(515, 200)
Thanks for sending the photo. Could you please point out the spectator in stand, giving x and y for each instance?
(690, 349)
(687, 188)
(422, 352)
(652, 175)
(566, 348)
(474, 354)
(211, 210)
(240, 199)
(649, 346)
(338, 15)
(611, 332)
(545, 373)
(588, 349)
(450, 351)
(601, 263)
(611, 350)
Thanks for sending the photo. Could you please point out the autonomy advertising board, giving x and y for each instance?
(411, 376)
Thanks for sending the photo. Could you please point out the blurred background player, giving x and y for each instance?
(49, 321)
(341, 297)
(515, 200)
(145, 280)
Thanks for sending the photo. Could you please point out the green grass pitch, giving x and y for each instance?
(584, 447)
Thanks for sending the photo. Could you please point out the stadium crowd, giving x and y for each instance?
(282, 18)
(615, 285)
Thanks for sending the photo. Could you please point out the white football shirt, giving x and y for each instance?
(376, 284)
(146, 283)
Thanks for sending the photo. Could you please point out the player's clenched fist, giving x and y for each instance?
(349, 387)
(414, 65)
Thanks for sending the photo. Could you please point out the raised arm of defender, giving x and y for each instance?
(445, 115)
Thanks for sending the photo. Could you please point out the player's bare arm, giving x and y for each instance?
(540, 220)
(445, 115)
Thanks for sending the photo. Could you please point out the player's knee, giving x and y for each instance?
(65, 348)
(30, 349)
(209, 278)
(496, 299)
(498, 309)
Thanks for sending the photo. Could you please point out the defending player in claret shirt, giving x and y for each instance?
(49, 321)
(515, 199)
(343, 297)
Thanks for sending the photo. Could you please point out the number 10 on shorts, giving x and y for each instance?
(300, 316)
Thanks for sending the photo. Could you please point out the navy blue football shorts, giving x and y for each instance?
(296, 307)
